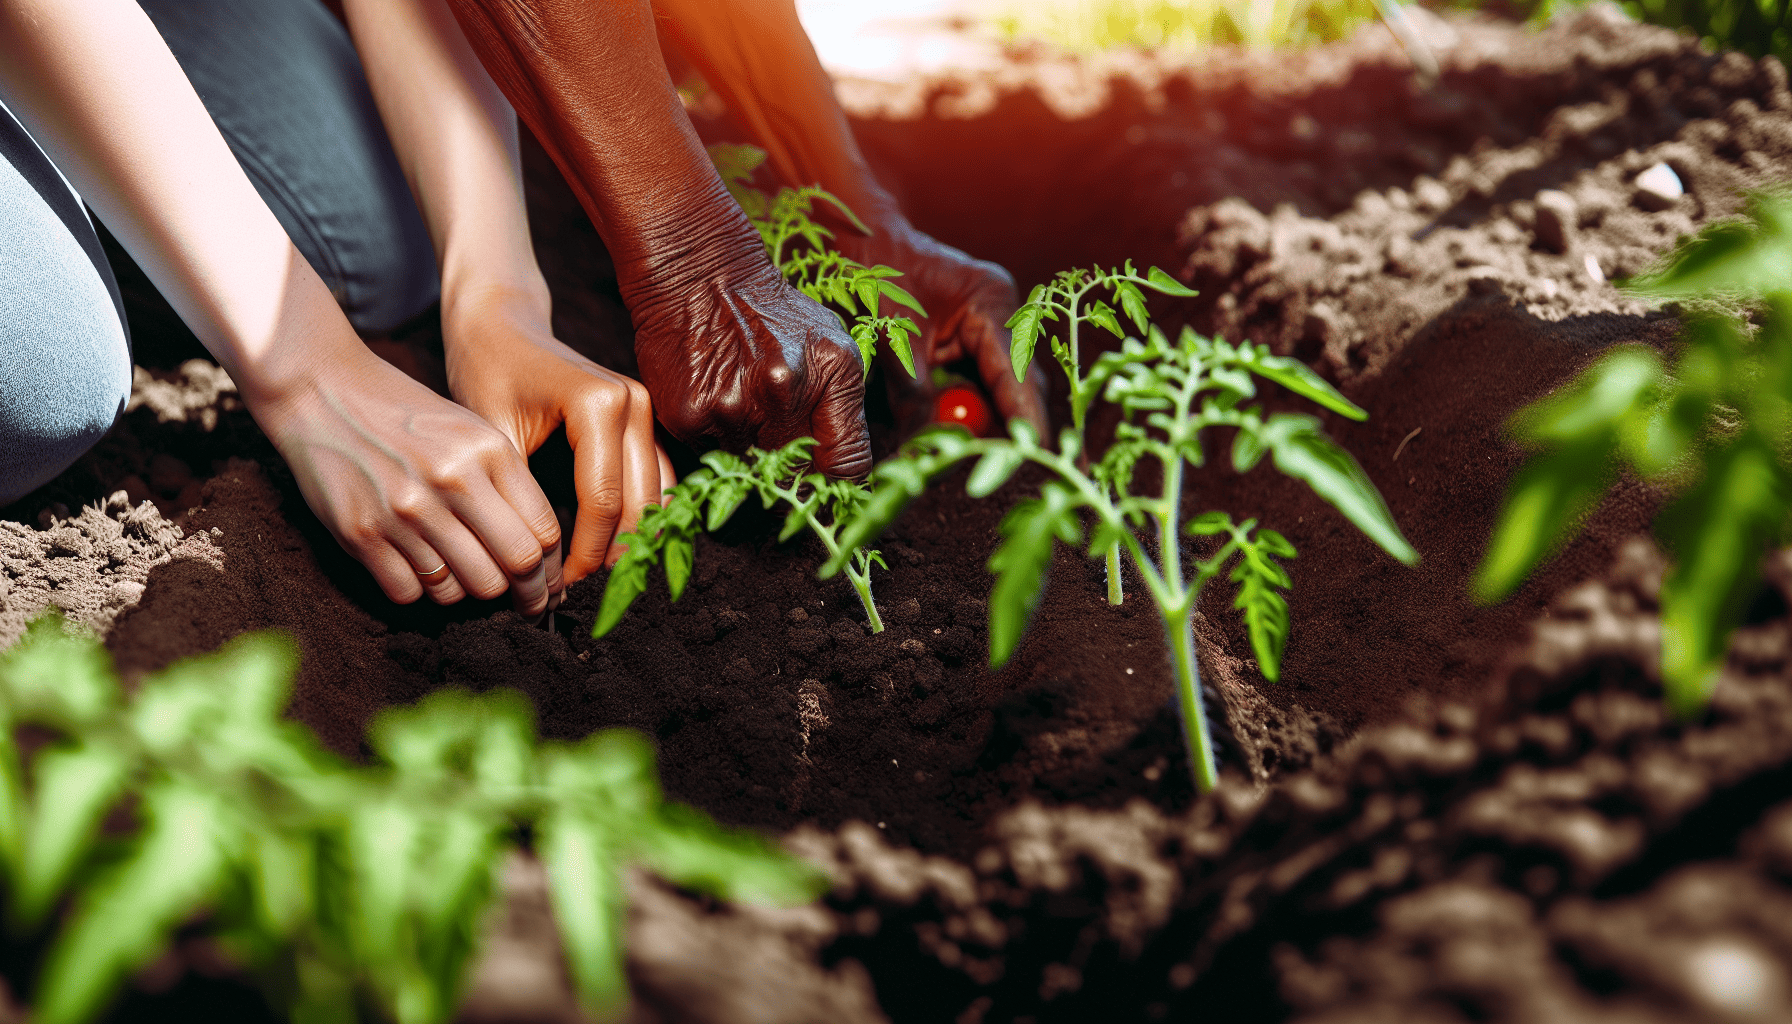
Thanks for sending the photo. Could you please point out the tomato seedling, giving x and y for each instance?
(1713, 427)
(1168, 393)
(706, 499)
(193, 802)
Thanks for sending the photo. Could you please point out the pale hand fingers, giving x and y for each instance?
(611, 434)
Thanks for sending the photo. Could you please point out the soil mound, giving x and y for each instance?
(1445, 813)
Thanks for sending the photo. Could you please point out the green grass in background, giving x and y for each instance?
(1095, 25)
(1755, 27)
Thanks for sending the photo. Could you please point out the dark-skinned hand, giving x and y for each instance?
(968, 302)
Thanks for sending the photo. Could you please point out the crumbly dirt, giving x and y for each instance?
(1443, 812)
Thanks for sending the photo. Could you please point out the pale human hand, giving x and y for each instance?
(408, 481)
(505, 364)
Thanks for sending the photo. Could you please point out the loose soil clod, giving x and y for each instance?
(1446, 813)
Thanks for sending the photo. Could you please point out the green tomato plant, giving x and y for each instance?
(798, 246)
(1169, 393)
(705, 500)
(1713, 426)
(338, 886)
(1065, 296)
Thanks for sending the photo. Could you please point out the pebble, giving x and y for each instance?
(1658, 188)
(1557, 218)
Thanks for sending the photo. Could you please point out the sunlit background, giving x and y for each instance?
(885, 39)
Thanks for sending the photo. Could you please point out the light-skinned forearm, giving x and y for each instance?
(456, 139)
(100, 91)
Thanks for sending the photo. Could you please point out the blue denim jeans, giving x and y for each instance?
(282, 81)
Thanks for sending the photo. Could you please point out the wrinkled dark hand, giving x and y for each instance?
(968, 303)
(737, 358)
(730, 354)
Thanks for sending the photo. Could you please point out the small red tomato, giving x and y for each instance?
(964, 406)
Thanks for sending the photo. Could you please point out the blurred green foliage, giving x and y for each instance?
(1756, 27)
(342, 888)
(1714, 426)
(1095, 25)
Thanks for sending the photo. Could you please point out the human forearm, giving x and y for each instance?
(588, 81)
(101, 92)
(756, 54)
(456, 139)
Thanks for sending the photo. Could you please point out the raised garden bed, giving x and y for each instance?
(1442, 812)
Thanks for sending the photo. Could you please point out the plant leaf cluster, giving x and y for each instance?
(704, 500)
(799, 247)
(339, 886)
(1714, 424)
(1169, 394)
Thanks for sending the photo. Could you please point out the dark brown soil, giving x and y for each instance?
(1442, 813)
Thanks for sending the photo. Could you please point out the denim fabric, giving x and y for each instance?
(283, 83)
(286, 89)
(65, 362)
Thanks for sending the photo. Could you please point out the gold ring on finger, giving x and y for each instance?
(432, 572)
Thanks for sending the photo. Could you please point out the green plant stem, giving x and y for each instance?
(861, 582)
(1179, 627)
(1116, 587)
(1178, 615)
(859, 575)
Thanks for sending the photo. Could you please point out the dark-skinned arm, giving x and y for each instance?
(757, 56)
(731, 355)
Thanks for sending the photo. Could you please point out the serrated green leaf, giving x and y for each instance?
(724, 498)
(628, 580)
(1236, 382)
(1168, 285)
(13, 812)
(1102, 315)
(900, 296)
(864, 335)
(73, 787)
(687, 848)
(1265, 612)
(1545, 504)
(680, 553)
(383, 843)
(1272, 543)
(281, 870)
(588, 905)
(1132, 303)
(900, 329)
(993, 470)
(1028, 532)
(1025, 326)
(1299, 378)
(894, 484)
(1209, 523)
(60, 680)
(1718, 533)
(1248, 447)
(1624, 382)
(842, 209)
(129, 915)
(1302, 451)
(798, 517)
